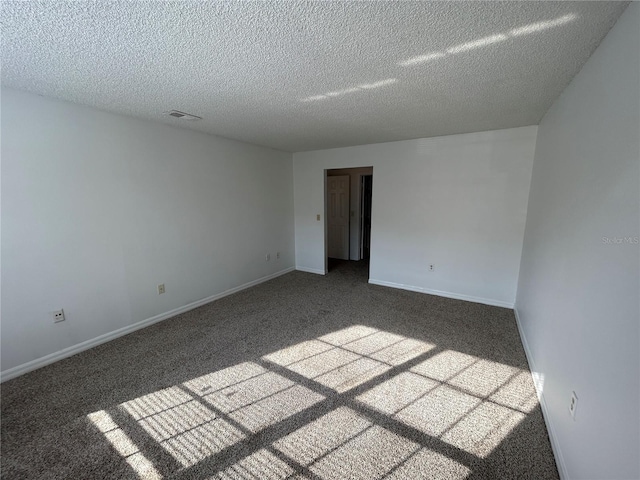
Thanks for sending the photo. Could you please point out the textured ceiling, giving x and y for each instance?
(307, 75)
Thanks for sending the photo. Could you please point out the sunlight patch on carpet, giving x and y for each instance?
(182, 425)
(467, 402)
(349, 357)
(470, 403)
(262, 465)
(344, 444)
(119, 440)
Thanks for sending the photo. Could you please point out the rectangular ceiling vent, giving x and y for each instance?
(182, 115)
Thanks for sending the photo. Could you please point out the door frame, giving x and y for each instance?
(359, 176)
(361, 214)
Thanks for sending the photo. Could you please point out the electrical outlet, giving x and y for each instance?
(268, 257)
(277, 255)
(318, 217)
(161, 289)
(573, 405)
(58, 316)
(432, 267)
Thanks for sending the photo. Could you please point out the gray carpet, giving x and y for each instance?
(301, 377)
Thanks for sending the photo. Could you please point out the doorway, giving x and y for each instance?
(366, 189)
(348, 199)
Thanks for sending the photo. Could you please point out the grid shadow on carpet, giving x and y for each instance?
(340, 396)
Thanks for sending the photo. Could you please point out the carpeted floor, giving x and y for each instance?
(304, 376)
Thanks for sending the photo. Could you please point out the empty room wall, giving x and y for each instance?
(98, 209)
(579, 289)
(458, 202)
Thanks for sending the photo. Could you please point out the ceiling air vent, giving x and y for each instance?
(182, 115)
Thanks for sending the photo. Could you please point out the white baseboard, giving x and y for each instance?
(311, 270)
(555, 446)
(440, 293)
(67, 352)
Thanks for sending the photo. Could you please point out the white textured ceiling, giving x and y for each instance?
(307, 75)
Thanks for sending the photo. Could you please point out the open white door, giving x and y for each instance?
(338, 217)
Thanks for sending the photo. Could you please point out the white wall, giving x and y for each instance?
(578, 296)
(458, 202)
(97, 209)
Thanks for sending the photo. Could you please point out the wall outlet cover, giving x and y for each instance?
(58, 316)
(573, 405)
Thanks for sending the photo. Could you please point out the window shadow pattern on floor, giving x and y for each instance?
(358, 403)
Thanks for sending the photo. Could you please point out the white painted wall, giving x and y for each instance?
(355, 176)
(458, 202)
(578, 296)
(97, 209)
